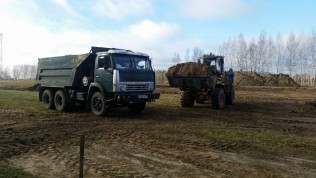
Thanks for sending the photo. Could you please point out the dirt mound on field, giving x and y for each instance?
(35, 87)
(248, 79)
(255, 79)
(189, 69)
(282, 80)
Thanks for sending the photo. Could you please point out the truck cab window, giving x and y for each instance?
(104, 62)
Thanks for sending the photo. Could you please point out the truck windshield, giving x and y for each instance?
(129, 62)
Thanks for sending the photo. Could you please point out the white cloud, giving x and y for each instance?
(213, 9)
(150, 31)
(119, 9)
(65, 6)
(25, 41)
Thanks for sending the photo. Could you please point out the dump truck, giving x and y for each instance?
(203, 82)
(101, 79)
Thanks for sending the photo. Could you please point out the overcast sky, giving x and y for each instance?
(40, 28)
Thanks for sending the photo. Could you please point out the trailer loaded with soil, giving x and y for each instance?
(203, 82)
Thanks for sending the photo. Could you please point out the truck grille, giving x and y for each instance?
(137, 87)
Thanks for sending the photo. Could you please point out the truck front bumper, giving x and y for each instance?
(136, 97)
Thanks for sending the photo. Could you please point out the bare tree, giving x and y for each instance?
(262, 51)
(16, 72)
(252, 58)
(270, 54)
(232, 52)
(242, 53)
(6, 73)
(303, 57)
(279, 47)
(312, 54)
(187, 55)
(292, 47)
(176, 58)
(197, 53)
(33, 71)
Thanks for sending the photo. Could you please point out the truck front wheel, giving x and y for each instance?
(137, 107)
(47, 99)
(98, 104)
(218, 98)
(60, 101)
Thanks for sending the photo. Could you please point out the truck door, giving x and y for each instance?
(104, 72)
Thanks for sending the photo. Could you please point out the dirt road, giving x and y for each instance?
(154, 143)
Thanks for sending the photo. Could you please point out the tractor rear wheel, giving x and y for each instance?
(187, 98)
(218, 98)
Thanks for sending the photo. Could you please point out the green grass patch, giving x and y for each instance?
(179, 134)
(8, 170)
(21, 101)
(16, 84)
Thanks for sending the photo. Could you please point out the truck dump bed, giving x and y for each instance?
(63, 71)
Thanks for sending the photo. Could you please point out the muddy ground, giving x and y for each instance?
(121, 145)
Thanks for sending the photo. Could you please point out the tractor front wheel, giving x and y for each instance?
(187, 98)
(218, 98)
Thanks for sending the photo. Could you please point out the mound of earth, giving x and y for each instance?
(273, 80)
(34, 87)
(189, 69)
(248, 79)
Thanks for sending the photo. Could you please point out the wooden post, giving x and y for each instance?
(81, 156)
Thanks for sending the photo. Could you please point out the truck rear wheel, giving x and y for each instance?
(187, 98)
(47, 99)
(137, 107)
(218, 98)
(60, 101)
(230, 96)
(98, 104)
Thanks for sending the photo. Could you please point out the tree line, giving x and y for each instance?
(293, 54)
(19, 72)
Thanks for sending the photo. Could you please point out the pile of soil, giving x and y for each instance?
(189, 69)
(255, 79)
(35, 87)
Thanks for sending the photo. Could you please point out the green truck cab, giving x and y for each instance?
(100, 79)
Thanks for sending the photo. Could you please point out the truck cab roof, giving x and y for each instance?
(103, 50)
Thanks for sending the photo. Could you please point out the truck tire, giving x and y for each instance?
(230, 96)
(137, 107)
(218, 98)
(98, 104)
(187, 98)
(47, 99)
(60, 101)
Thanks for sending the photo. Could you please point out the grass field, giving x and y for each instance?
(16, 84)
(268, 132)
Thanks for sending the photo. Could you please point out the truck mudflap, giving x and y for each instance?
(136, 97)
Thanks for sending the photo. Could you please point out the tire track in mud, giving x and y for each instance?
(15, 140)
(119, 146)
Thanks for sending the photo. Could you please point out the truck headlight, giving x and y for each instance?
(123, 88)
(151, 87)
